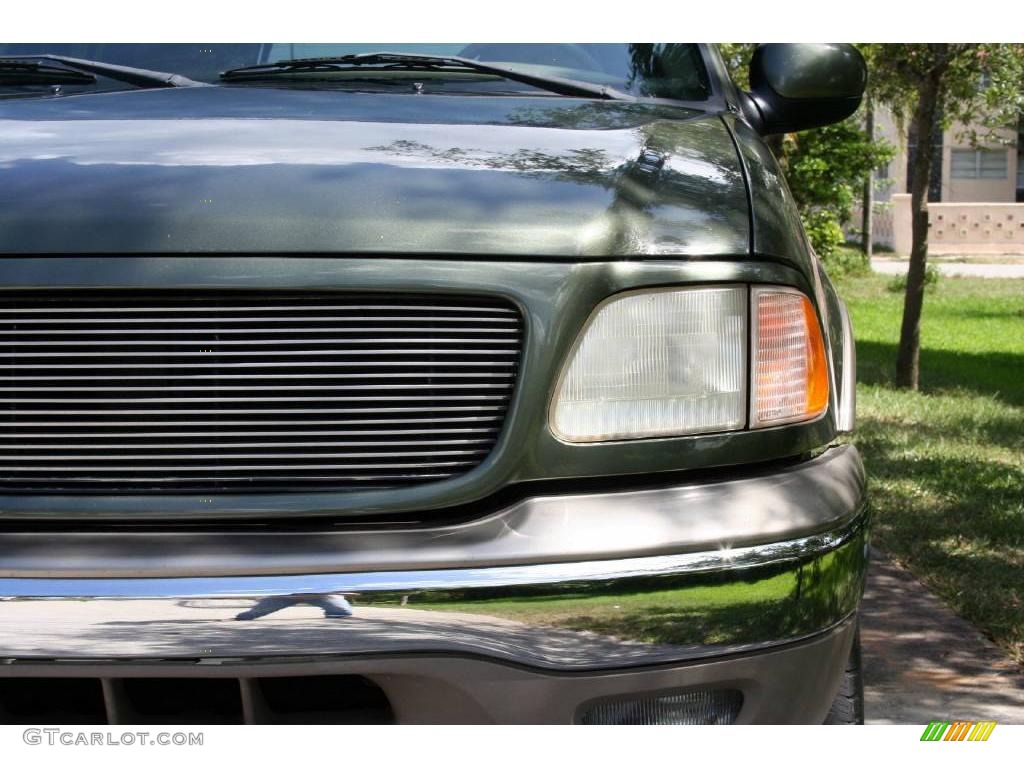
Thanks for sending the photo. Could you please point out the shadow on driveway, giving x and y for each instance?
(922, 662)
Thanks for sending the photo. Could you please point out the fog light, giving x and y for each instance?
(690, 708)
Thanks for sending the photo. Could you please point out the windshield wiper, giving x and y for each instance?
(30, 73)
(560, 85)
(143, 78)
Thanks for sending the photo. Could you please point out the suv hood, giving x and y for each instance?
(241, 169)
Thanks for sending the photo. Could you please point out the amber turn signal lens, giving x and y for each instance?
(790, 371)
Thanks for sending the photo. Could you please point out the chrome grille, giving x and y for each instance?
(174, 391)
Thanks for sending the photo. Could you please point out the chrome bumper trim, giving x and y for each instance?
(598, 581)
(562, 575)
(573, 616)
(705, 518)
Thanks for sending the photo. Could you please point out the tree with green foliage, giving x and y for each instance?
(737, 61)
(826, 167)
(939, 84)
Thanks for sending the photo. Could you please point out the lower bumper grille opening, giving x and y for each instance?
(300, 700)
(188, 701)
(324, 699)
(51, 700)
(671, 708)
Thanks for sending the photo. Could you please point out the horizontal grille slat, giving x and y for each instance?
(237, 467)
(352, 341)
(189, 454)
(497, 326)
(263, 309)
(140, 482)
(465, 435)
(308, 444)
(419, 352)
(249, 411)
(286, 388)
(461, 364)
(166, 391)
(296, 398)
(263, 423)
(504, 375)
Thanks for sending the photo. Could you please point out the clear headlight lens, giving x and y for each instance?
(658, 363)
(790, 370)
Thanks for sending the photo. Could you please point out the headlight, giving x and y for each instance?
(673, 361)
(657, 363)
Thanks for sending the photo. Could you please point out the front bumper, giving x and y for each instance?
(749, 582)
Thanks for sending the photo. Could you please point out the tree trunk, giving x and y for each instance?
(907, 360)
(866, 220)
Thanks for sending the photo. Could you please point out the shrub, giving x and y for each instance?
(931, 279)
(847, 262)
(824, 232)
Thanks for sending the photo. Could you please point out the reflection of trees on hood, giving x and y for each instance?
(686, 168)
(632, 180)
(624, 218)
(576, 166)
(598, 115)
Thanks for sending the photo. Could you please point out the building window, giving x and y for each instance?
(979, 164)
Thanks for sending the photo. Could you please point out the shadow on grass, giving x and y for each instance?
(957, 520)
(1002, 430)
(996, 374)
(968, 498)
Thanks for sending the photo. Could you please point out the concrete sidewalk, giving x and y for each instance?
(922, 662)
(952, 268)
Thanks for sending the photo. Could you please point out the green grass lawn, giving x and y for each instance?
(946, 464)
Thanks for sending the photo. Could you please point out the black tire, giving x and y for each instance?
(848, 706)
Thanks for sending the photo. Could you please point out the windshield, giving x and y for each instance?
(668, 70)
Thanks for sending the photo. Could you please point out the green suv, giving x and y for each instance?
(421, 383)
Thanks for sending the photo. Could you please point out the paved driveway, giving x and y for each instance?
(922, 662)
(952, 269)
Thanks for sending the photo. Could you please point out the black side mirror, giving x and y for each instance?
(795, 86)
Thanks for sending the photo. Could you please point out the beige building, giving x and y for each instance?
(976, 193)
(992, 172)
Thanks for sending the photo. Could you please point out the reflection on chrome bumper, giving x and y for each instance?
(590, 581)
(592, 615)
